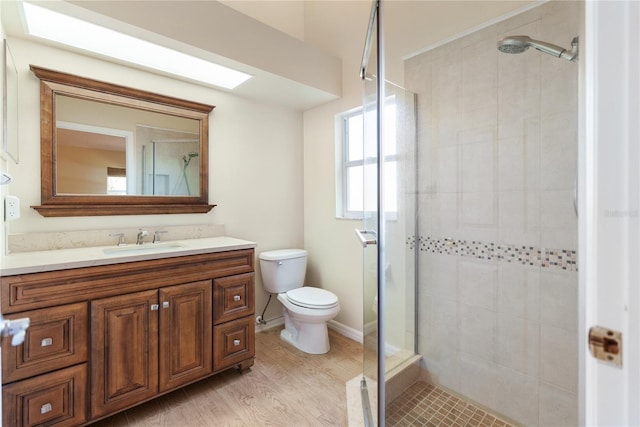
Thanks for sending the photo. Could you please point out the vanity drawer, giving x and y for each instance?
(56, 338)
(58, 398)
(233, 297)
(233, 342)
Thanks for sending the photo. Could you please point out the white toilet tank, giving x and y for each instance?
(283, 269)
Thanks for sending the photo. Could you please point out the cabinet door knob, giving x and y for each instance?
(46, 408)
(165, 304)
(236, 298)
(236, 343)
(155, 307)
(46, 342)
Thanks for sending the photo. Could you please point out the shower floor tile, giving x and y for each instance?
(424, 404)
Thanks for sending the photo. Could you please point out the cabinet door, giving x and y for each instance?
(185, 334)
(124, 351)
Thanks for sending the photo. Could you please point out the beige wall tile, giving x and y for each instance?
(559, 357)
(559, 299)
(477, 334)
(518, 347)
(519, 291)
(558, 408)
(478, 283)
(518, 396)
(478, 381)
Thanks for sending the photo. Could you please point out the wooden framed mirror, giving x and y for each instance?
(113, 150)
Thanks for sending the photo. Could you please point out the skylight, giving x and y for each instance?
(84, 35)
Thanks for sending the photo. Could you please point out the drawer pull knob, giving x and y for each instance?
(236, 298)
(46, 408)
(236, 343)
(46, 342)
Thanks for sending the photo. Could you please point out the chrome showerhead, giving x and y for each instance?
(187, 157)
(514, 44)
(518, 44)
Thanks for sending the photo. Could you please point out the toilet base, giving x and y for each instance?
(312, 338)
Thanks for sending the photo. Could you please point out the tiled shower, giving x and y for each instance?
(497, 238)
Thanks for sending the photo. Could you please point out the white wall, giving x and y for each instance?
(335, 256)
(255, 159)
(3, 159)
(286, 16)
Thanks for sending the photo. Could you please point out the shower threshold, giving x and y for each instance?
(362, 399)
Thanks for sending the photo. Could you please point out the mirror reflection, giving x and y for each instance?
(105, 149)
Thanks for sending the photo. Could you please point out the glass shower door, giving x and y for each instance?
(370, 254)
(369, 233)
(388, 229)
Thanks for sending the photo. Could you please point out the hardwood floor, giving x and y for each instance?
(285, 387)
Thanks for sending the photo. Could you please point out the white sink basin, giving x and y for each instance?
(148, 248)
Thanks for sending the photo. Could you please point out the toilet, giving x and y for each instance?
(306, 309)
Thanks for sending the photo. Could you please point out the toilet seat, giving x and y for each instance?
(314, 298)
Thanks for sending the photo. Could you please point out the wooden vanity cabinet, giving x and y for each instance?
(143, 328)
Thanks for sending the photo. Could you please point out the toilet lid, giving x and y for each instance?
(312, 297)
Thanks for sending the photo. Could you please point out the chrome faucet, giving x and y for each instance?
(120, 236)
(141, 235)
(156, 235)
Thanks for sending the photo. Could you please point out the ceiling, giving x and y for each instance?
(286, 71)
(302, 53)
(95, 141)
(339, 27)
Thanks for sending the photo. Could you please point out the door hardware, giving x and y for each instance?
(363, 240)
(606, 344)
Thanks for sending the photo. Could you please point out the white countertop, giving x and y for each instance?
(62, 259)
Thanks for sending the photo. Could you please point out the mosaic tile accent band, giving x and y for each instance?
(563, 259)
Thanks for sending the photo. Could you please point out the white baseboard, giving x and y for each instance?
(357, 336)
(340, 328)
(271, 323)
(347, 331)
(370, 327)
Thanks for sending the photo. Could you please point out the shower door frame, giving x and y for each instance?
(376, 24)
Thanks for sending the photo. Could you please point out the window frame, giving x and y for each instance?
(343, 164)
(347, 164)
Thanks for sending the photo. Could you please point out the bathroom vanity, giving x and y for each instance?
(111, 328)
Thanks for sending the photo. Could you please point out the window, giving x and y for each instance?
(116, 181)
(357, 162)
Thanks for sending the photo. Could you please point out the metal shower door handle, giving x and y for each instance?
(363, 240)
